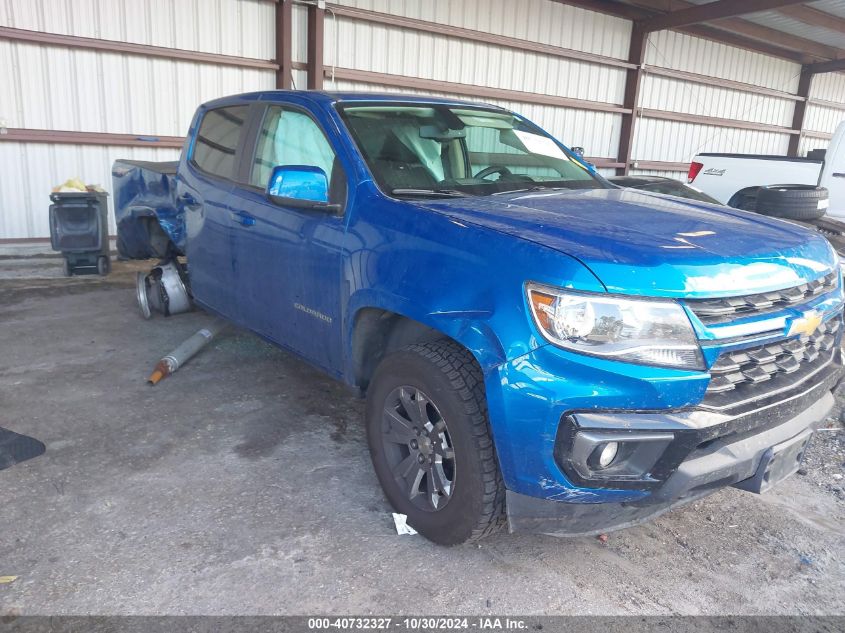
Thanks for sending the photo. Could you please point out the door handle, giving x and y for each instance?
(243, 218)
(839, 174)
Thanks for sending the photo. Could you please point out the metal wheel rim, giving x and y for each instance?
(418, 448)
(141, 292)
(178, 299)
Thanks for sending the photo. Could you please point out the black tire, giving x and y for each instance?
(103, 265)
(66, 268)
(450, 380)
(793, 202)
(746, 201)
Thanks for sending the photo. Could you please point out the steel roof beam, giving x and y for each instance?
(834, 65)
(718, 10)
(771, 39)
(814, 17)
(732, 31)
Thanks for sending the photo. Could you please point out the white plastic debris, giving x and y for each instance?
(401, 522)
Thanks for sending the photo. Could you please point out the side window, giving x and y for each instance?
(217, 140)
(290, 137)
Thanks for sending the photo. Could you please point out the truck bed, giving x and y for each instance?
(734, 179)
(149, 221)
(791, 159)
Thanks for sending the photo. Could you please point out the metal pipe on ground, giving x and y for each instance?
(186, 351)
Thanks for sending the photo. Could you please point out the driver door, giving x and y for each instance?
(287, 260)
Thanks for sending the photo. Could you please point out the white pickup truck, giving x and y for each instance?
(769, 184)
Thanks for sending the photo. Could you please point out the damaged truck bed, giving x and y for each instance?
(147, 214)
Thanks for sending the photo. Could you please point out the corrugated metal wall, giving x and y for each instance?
(534, 20)
(360, 46)
(232, 27)
(679, 141)
(30, 170)
(824, 118)
(50, 87)
(55, 88)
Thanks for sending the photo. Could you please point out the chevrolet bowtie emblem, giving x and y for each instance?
(805, 324)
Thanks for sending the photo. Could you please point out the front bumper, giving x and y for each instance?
(772, 362)
(740, 458)
(541, 402)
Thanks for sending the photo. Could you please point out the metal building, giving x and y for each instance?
(641, 89)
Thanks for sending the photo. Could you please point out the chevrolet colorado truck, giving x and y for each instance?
(537, 347)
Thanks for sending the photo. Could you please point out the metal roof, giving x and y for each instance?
(783, 20)
(807, 32)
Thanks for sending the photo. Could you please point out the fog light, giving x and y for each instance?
(608, 454)
(592, 455)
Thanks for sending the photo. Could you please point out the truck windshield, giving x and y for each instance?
(424, 150)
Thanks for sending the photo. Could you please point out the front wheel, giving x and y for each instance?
(431, 445)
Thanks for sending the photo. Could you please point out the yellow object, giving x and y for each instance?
(5, 580)
(71, 184)
(806, 323)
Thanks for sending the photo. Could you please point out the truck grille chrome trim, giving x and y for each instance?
(711, 311)
(761, 371)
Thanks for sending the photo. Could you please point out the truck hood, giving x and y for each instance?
(650, 244)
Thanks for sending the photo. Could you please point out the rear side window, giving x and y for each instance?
(217, 140)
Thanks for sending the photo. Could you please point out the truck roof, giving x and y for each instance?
(326, 96)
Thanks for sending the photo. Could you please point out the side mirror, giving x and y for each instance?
(300, 186)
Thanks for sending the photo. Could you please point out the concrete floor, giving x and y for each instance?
(242, 485)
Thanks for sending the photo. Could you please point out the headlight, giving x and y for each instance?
(644, 331)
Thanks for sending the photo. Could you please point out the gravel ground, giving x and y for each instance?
(242, 485)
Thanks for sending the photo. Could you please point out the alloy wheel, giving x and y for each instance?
(418, 448)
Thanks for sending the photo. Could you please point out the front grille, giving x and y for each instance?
(729, 308)
(763, 370)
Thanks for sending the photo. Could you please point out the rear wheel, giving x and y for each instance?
(66, 268)
(793, 202)
(431, 445)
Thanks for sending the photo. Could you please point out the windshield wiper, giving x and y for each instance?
(526, 189)
(430, 193)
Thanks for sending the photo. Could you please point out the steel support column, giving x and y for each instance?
(633, 79)
(284, 44)
(800, 110)
(316, 25)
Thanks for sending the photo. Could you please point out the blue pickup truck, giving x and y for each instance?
(537, 347)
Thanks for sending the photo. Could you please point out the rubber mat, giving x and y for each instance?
(16, 448)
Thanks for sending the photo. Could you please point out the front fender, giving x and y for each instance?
(467, 327)
(457, 278)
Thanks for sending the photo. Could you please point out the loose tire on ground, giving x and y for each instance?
(103, 265)
(794, 202)
(446, 379)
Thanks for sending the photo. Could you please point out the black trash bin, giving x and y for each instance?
(79, 229)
